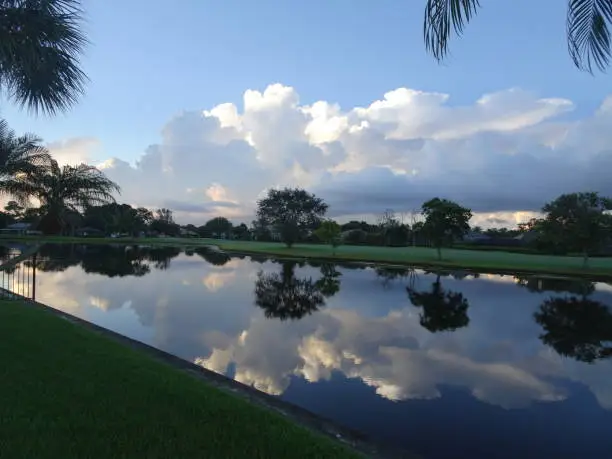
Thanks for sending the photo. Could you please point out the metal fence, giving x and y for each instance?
(19, 278)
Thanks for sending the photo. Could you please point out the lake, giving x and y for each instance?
(446, 365)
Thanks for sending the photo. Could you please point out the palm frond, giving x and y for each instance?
(588, 33)
(18, 190)
(21, 155)
(442, 18)
(85, 185)
(40, 45)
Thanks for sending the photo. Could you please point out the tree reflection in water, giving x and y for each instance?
(389, 274)
(284, 296)
(108, 260)
(443, 310)
(575, 327)
(213, 256)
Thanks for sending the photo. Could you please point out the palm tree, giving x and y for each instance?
(40, 46)
(21, 158)
(69, 188)
(588, 34)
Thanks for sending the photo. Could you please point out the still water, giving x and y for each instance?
(445, 364)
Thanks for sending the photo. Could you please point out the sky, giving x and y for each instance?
(204, 107)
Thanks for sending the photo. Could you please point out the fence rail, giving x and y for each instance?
(18, 274)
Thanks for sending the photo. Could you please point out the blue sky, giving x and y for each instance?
(150, 60)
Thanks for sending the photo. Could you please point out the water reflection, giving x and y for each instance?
(576, 327)
(443, 310)
(519, 359)
(538, 284)
(213, 256)
(284, 296)
(107, 260)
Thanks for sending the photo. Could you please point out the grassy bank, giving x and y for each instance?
(422, 256)
(71, 393)
(485, 260)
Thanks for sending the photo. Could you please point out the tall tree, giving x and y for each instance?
(218, 226)
(68, 188)
(40, 46)
(579, 221)
(588, 28)
(144, 215)
(241, 232)
(163, 222)
(329, 232)
(164, 215)
(445, 221)
(291, 211)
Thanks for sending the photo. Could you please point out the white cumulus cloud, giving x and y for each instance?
(507, 152)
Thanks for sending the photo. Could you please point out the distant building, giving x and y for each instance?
(17, 228)
(473, 236)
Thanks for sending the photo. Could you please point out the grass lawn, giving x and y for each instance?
(68, 392)
(452, 258)
(486, 260)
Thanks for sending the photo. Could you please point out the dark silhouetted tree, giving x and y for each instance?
(218, 226)
(578, 222)
(445, 221)
(291, 212)
(65, 189)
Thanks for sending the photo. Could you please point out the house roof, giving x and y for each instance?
(19, 226)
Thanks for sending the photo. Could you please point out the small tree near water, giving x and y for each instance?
(329, 232)
(445, 221)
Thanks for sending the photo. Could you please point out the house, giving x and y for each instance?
(17, 228)
(473, 236)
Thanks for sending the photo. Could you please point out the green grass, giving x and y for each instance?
(423, 256)
(68, 392)
(486, 260)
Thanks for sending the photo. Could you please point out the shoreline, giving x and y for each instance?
(489, 261)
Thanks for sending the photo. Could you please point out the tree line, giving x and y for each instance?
(573, 223)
